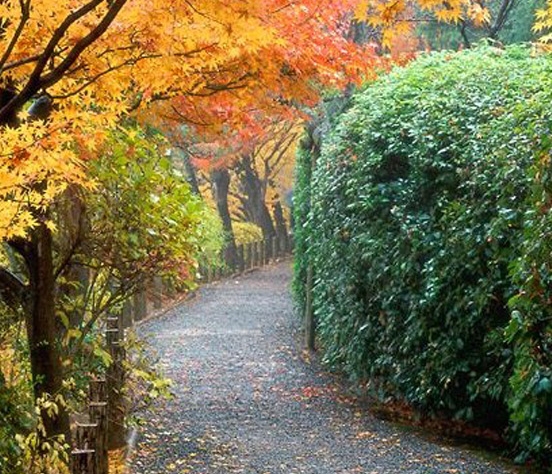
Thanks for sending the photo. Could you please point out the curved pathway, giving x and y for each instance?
(247, 400)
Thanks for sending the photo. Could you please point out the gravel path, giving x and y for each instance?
(249, 401)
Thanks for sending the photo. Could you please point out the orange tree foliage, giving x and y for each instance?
(98, 59)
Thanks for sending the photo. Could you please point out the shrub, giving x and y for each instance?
(247, 232)
(427, 231)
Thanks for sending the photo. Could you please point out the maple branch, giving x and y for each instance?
(203, 14)
(55, 75)
(505, 10)
(464, 34)
(129, 62)
(35, 81)
(25, 14)
(213, 89)
(283, 7)
(184, 118)
(278, 163)
(89, 82)
(20, 62)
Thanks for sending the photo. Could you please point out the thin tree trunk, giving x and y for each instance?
(39, 302)
(191, 173)
(220, 179)
(281, 227)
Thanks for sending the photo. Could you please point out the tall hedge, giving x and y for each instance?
(429, 228)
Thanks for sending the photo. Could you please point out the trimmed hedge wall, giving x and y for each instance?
(428, 223)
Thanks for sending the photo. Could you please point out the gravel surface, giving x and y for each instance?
(248, 400)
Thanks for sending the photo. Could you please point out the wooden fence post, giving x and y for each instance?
(274, 242)
(97, 390)
(268, 250)
(97, 412)
(285, 244)
(255, 256)
(82, 461)
(157, 292)
(140, 304)
(115, 383)
(85, 435)
(241, 259)
(281, 246)
(309, 313)
(248, 255)
(126, 314)
(169, 288)
(262, 253)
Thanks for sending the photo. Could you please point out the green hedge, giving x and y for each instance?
(427, 221)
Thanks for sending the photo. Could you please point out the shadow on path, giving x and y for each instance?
(247, 402)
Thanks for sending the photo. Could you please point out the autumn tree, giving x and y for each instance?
(257, 170)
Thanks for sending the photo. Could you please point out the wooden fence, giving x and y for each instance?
(102, 428)
(249, 256)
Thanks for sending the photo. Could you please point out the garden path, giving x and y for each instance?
(249, 400)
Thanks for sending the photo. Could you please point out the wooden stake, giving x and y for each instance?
(309, 313)
(98, 415)
(82, 461)
(157, 292)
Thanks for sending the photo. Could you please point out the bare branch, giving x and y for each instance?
(25, 13)
(501, 17)
(82, 44)
(35, 81)
(21, 62)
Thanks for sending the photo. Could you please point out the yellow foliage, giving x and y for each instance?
(148, 49)
(390, 15)
(247, 232)
(544, 22)
(117, 462)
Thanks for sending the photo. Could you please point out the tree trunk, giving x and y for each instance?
(255, 207)
(281, 228)
(220, 179)
(46, 366)
(39, 300)
(191, 173)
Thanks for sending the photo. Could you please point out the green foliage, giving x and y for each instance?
(430, 209)
(143, 217)
(138, 221)
(21, 433)
(246, 232)
(301, 230)
(211, 237)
